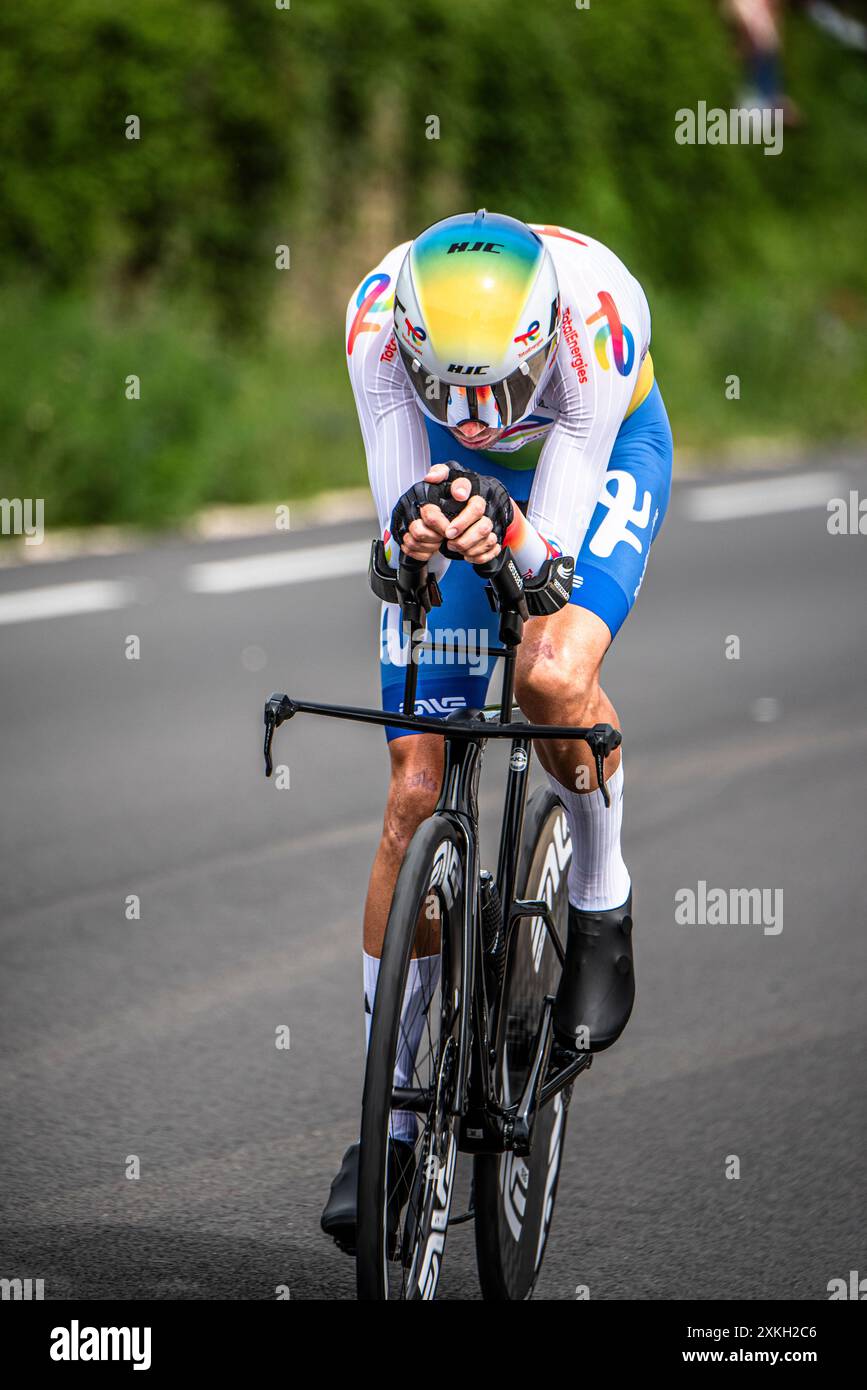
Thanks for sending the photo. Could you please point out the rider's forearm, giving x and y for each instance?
(529, 548)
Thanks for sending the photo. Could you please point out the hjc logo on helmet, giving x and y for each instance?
(494, 247)
(461, 311)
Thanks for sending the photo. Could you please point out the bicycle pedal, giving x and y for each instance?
(562, 1057)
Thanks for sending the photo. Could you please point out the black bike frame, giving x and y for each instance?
(486, 1125)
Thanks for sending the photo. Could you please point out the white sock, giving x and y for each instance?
(598, 877)
(371, 975)
(420, 986)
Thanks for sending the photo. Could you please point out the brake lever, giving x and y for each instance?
(278, 708)
(602, 740)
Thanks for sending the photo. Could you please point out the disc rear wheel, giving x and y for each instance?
(515, 1194)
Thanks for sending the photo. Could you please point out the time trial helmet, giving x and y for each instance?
(477, 319)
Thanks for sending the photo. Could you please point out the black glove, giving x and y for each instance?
(498, 504)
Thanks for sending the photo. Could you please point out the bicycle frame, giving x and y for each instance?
(486, 1126)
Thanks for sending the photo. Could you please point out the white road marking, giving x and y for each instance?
(62, 600)
(279, 567)
(763, 496)
(715, 502)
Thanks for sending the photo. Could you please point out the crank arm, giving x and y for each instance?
(528, 1105)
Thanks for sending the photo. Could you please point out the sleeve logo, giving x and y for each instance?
(615, 330)
(368, 301)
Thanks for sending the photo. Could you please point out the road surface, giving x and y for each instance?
(147, 1044)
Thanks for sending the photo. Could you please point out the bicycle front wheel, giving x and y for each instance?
(405, 1189)
(515, 1194)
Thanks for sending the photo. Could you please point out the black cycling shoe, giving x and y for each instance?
(339, 1219)
(597, 987)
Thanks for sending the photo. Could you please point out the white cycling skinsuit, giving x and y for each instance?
(601, 374)
(598, 492)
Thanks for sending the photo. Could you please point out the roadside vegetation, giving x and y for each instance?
(307, 127)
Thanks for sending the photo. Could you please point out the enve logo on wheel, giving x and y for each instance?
(446, 872)
(557, 859)
(429, 1273)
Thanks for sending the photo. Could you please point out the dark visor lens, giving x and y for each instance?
(514, 393)
(433, 394)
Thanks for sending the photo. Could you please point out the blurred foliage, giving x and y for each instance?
(307, 126)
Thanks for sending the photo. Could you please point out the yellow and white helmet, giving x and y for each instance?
(477, 319)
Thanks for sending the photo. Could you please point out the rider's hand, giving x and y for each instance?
(469, 533)
(426, 534)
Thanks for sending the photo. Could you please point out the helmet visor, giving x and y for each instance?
(514, 394)
(497, 405)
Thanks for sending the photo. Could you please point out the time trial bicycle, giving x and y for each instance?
(488, 1077)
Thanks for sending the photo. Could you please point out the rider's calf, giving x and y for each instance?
(416, 773)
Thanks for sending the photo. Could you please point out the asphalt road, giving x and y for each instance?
(155, 1037)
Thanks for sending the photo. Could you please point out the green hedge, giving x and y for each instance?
(307, 126)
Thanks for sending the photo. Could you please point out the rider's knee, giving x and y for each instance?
(416, 771)
(552, 692)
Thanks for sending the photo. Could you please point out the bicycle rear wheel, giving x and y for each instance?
(402, 1258)
(514, 1194)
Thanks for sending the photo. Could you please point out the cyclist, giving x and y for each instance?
(479, 337)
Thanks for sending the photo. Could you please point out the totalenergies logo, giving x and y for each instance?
(390, 350)
(576, 356)
(369, 300)
(414, 335)
(617, 331)
(530, 336)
